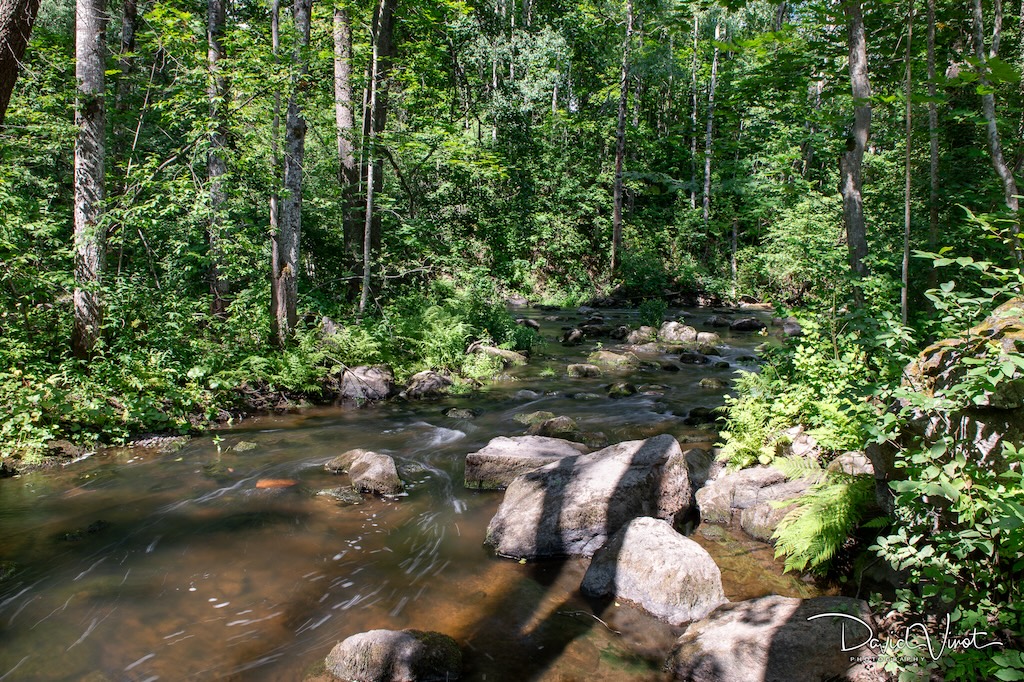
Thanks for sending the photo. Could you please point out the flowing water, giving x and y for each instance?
(139, 565)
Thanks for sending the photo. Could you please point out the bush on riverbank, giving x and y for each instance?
(169, 367)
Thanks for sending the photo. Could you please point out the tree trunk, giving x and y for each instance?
(285, 277)
(374, 121)
(348, 170)
(620, 142)
(216, 164)
(693, 116)
(129, 19)
(16, 20)
(277, 298)
(706, 209)
(852, 160)
(988, 106)
(90, 150)
(933, 145)
(905, 288)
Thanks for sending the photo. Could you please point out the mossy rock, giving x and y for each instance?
(531, 418)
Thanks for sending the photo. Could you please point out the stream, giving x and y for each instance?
(141, 565)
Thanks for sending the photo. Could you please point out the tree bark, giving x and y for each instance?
(709, 128)
(348, 170)
(285, 278)
(620, 142)
(374, 121)
(933, 149)
(693, 116)
(90, 152)
(905, 279)
(988, 106)
(278, 300)
(216, 163)
(16, 20)
(129, 19)
(852, 160)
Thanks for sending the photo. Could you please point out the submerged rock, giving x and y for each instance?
(572, 506)
(396, 656)
(621, 389)
(345, 494)
(369, 471)
(607, 358)
(531, 418)
(495, 465)
(777, 638)
(682, 585)
(718, 321)
(580, 370)
(713, 383)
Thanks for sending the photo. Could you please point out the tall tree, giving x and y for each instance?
(129, 21)
(933, 149)
(905, 281)
(285, 256)
(856, 143)
(90, 152)
(620, 141)
(988, 107)
(216, 163)
(348, 169)
(709, 129)
(16, 20)
(374, 121)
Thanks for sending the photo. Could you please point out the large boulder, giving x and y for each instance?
(507, 357)
(994, 417)
(682, 585)
(778, 639)
(495, 465)
(369, 471)
(746, 498)
(747, 324)
(396, 656)
(427, 384)
(642, 335)
(366, 383)
(572, 507)
(677, 332)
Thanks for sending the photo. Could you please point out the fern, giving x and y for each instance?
(811, 534)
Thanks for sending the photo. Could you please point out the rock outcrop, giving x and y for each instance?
(427, 384)
(366, 383)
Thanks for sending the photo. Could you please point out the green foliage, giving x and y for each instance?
(652, 312)
(824, 517)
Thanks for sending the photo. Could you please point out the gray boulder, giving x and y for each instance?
(642, 335)
(710, 338)
(718, 321)
(427, 384)
(396, 656)
(366, 383)
(677, 332)
(606, 358)
(744, 498)
(507, 357)
(495, 465)
(771, 639)
(747, 324)
(650, 564)
(572, 507)
(369, 471)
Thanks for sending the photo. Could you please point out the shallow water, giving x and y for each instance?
(137, 565)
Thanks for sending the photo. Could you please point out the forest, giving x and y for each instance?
(195, 195)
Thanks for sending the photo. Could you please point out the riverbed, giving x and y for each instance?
(136, 564)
